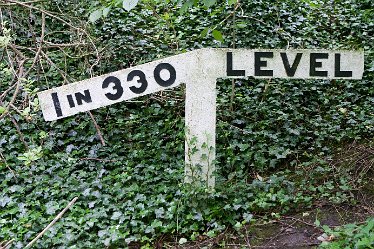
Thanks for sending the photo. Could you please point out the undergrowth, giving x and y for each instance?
(358, 236)
(276, 142)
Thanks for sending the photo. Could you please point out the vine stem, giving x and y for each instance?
(97, 127)
(52, 223)
(233, 46)
(2, 158)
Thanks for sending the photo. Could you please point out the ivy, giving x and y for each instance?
(270, 138)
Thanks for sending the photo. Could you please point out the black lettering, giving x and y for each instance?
(338, 72)
(229, 70)
(56, 103)
(70, 100)
(86, 97)
(142, 80)
(259, 63)
(117, 87)
(157, 74)
(291, 70)
(314, 64)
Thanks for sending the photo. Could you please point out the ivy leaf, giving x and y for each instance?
(129, 4)
(51, 207)
(217, 35)
(211, 233)
(204, 32)
(311, 3)
(4, 201)
(317, 223)
(230, 2)
(209, 3)
(101, 233)
(96, 15)
(106, 11)
(160, 212)
(241, 25)
(185, 6)
(182, 241)
(156, 223)
(2, 109)
(116, 215)
(247, 217)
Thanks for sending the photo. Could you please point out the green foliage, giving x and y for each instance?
(31, 156)
(269, 147)
(351, 236)
(217, 35)
(6, 37)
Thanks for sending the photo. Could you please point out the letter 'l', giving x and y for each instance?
(230, 71)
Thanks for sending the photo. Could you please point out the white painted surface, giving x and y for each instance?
(198, 65)
(94, 85)
(199, 70)
(200, 118)
(244, 59)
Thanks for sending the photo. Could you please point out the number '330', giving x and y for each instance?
(117, 90)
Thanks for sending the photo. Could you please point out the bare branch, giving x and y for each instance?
(26, 2)
(52, 223)
(20, 76)
(65, 22)
(6, 244)
(6, 164)
(40, 45)
(20, 134)
(64, 45)
(97, 128)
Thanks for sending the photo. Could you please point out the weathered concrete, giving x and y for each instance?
(199, 70)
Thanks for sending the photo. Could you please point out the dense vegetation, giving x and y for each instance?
(275, 138)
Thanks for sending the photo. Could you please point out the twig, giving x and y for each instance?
(64, 22)
(18, 131)
(18, 84)
(52, 223)
(6, 164)
(16, 109)
(168, 23)
(62, 73)
(43, 11)
(64, 45)
(228, 16)
(2, 96)
(246, 237)
(302, 221)
(6, 244)
(28, 2)
(40, 45)
(97, 128)
(233, 46)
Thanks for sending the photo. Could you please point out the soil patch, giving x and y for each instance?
(297, 231)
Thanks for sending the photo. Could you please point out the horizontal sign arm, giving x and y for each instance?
(170, 72)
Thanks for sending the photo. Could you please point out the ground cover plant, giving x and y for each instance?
(282, 146)
(352, 236)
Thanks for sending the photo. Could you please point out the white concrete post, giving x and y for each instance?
(200, 118)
